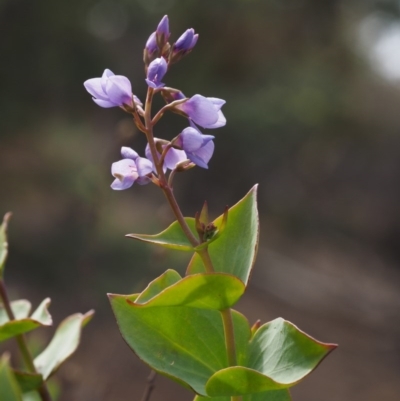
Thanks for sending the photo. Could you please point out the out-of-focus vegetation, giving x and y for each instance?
(313, 98)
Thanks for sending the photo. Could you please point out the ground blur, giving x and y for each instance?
(313, 97)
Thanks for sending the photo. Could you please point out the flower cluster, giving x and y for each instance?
(187, 149)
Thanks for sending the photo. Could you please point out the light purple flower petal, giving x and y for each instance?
(201, 110)
(151, 44)
(119, 90)
(104, 78)
(202, 156)
(220, 122)
(119, 185)
(192, 139)
(104, 103)
(173, 157)
(94, 87)
(143, 180)
(156, 71)
(125, 172)
(185, 40)
(128, 153)
(163, 27)
(194, 41)
(218, 103)
(144, 166)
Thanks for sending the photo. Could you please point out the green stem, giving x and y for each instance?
(23, 348)
(229, 336)
(161, 176)
(205, 256)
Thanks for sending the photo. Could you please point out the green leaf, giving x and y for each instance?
(279, 356)
(20, 308)
(22, 323)
(180, 342)
(277, 395)
(167, 279)
(64, 343)
(173, 237)
(9, 390)
(3, 242)
(236, 249)
(28, 381)
(205, 291)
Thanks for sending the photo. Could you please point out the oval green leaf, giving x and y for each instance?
(24, 324)
(181, 342)
(63, 344)
(205, 291)
(299, 354)
(279, 356)
(235, 251)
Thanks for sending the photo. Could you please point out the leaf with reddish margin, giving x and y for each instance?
(279, 356)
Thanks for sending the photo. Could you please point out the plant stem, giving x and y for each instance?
(23, 348)
(204, 255)
(150, 386)
(163, 181)
(229, 336)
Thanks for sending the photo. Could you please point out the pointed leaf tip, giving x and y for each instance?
(235, 250)
(63, 344)
(24, 323)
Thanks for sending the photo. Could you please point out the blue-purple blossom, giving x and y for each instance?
(160, 36)
(186, 41)
(151, 44)
(111, 90)
(163, 28)
(201, 110)
(130, 169)
(198, 147)
(217, 104)
(172, 158)
(155, 73)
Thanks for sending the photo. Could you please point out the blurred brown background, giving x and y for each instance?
(313, 100)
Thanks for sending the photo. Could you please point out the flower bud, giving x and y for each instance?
(162, 32)
(183, 45)
(155, 73)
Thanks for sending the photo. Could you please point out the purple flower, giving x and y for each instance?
(172, 158)
(130, 169)
(201, 111)
(186, 41)
(163, 28)
(157, 40)
(198, 147)
(156, 72)
(110, 90)
(151, 44)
